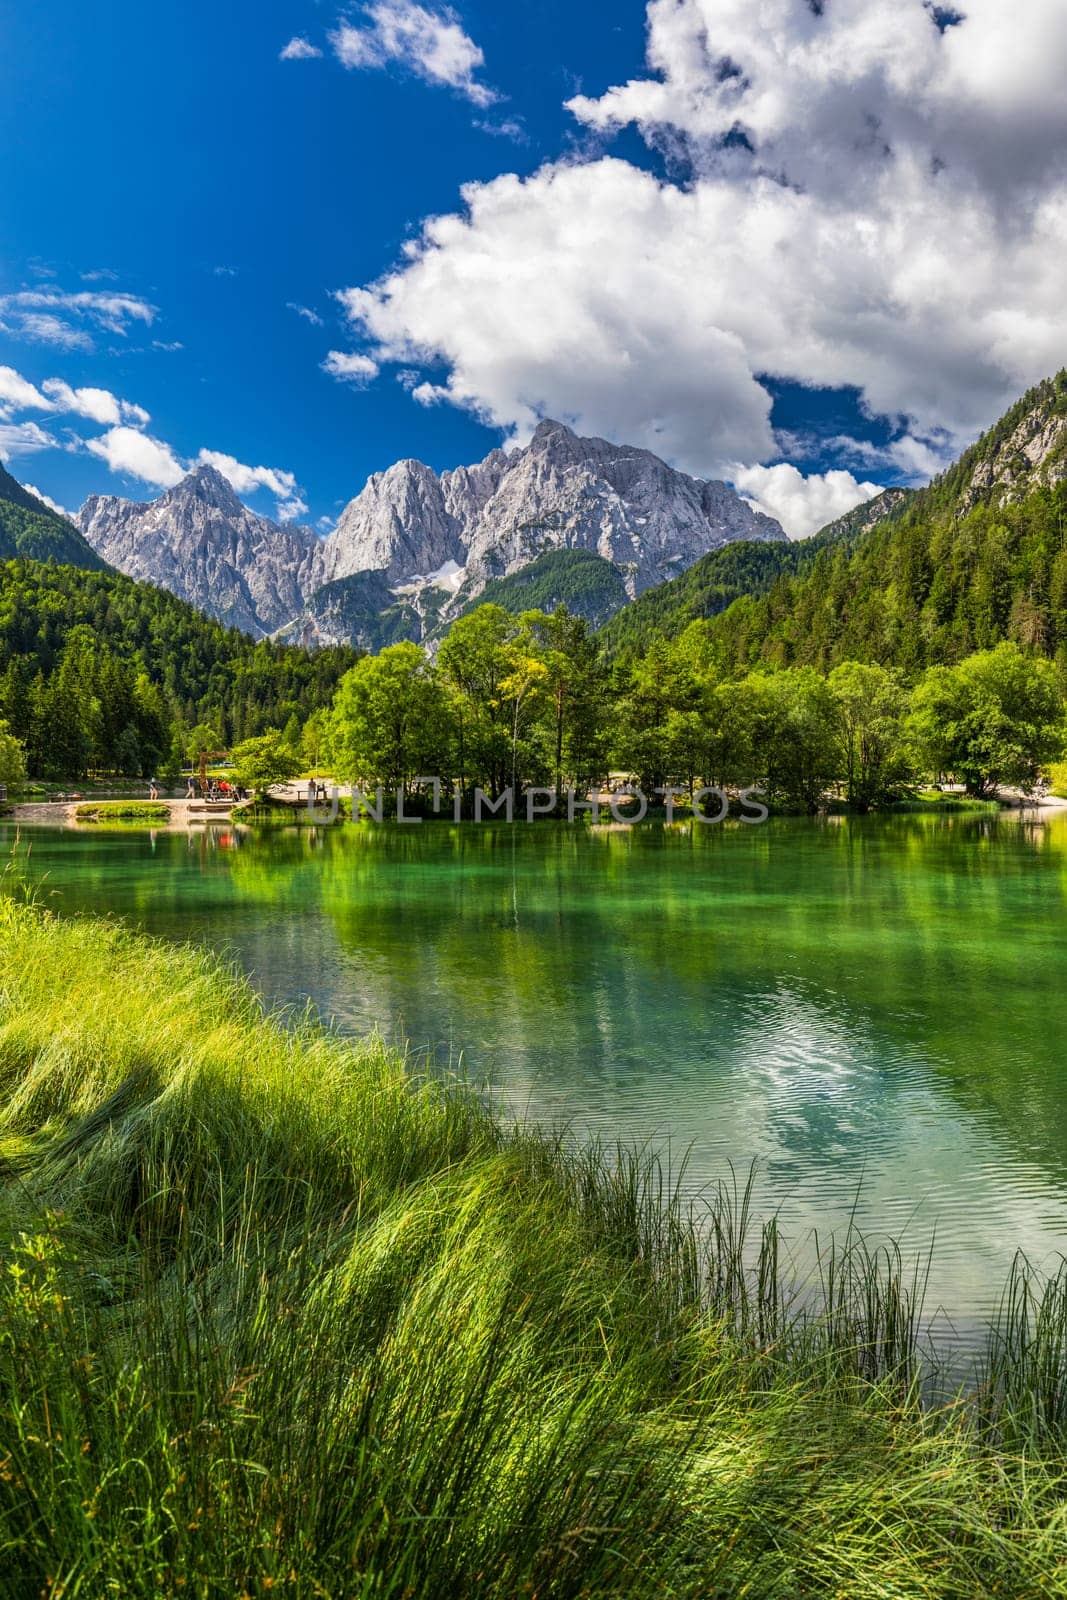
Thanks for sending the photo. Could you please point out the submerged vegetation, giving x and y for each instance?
(281, 1314)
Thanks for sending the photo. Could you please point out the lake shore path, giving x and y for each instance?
(185, 813)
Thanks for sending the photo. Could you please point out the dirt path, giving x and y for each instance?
(62, 814)
(1046, 802)
(184, 814)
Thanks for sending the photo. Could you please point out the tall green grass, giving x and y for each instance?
(278, 1314)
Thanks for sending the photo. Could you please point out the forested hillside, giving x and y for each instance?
(1025, 450)
(30, 528)
(584, 582)
(360, 609)
(718, 579)
(977, 557)
(710, 585)
(99, 672)
(929, 588)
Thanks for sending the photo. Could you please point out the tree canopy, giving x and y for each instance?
(99, 673)
(265, 760)
(995, 719)
(529, 702)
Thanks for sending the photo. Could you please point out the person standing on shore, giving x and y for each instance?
(153, 789)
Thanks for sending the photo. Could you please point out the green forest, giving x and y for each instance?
(908, 580)
(733, 571)
(101, 674)
(30, 528)
(922, 636)
(953, 568)
(921, 588)
(584, 582)
(531, 702)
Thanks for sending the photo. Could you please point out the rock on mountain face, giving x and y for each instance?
(622, 503)
(399, 525)
(424, 543)
(1025, 450)
(201, 543)
(360, 610)
(560, 492)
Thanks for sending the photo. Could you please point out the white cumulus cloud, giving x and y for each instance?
(138, 455)
(431, 43)
(349, 367)
(858, 195)
(99, 405)
(55, 394)
(802, 504)
(53, 505)
(291, 510)
(19, 394)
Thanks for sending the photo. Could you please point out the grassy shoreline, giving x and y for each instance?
(279, 1315)
(126, 811)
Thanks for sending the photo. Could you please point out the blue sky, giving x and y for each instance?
(173, 189)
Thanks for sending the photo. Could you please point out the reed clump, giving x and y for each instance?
(280, 1314)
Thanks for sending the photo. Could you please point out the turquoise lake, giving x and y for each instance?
(873, 1010)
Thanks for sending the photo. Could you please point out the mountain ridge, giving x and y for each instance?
(436, 539)
(977, 556)
(1026, 448)
(31, 530)
(200, 542)
(711, 585)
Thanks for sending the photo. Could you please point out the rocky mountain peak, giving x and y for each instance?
(413, 530)
(407, 471)
(398, 524)
(207, 484)
(559, 492)
(203, 544)
(548, 429)
(1025, 450)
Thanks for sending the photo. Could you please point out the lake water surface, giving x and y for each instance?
(871, 1008)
